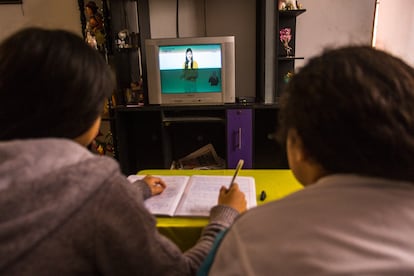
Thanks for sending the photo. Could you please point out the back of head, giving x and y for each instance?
(353, 107)
(52, 84)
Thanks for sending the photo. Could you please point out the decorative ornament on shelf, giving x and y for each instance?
(285, 37)
(287, 77)
(103, 144)
(123, 39)
(289, 5)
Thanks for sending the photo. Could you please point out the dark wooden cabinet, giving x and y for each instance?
(152, 137)
(139, 139)
(268, 153)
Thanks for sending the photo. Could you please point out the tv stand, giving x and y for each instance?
(152, 137)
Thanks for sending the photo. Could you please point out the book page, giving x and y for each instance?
(202, 193)
(166, 202)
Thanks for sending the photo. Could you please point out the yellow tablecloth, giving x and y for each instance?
(185, 231)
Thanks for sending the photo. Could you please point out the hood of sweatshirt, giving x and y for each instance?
(43, 182)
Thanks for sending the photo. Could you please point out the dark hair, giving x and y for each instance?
(92, 5)
(353, 107)
(52, 84)
(187, 61)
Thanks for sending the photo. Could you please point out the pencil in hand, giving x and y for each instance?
(236, 172)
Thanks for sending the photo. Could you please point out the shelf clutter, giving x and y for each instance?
(204, 158)
(286, 48)
(289, 5)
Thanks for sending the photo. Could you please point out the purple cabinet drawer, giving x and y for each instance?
(239, 137)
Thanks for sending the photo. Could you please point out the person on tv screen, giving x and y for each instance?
(347, 121)
(190, 71)
(65, 210)
(214, 79)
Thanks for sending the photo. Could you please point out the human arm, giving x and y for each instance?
(128, 226)
(156, 184)
(231, 202)
(150, 186)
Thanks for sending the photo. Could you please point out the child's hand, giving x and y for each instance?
(233, 197)
(156, 184)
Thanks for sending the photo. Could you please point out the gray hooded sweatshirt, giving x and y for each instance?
(66, 211)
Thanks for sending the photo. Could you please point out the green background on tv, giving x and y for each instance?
(172, 81)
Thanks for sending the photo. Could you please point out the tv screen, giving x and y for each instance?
(191, 70)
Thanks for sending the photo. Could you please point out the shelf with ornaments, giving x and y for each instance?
(286, 46)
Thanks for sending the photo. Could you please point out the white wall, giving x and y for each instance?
(163, 23)
(43, 13)
(333, 23)
(395, 28)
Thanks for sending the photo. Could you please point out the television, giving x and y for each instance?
(191, 71)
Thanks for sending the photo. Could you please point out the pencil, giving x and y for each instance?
(236, 172)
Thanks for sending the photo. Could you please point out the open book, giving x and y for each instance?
(194, 195)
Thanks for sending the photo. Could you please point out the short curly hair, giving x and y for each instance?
(353, 109)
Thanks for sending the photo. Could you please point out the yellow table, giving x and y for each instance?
(185, 231)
